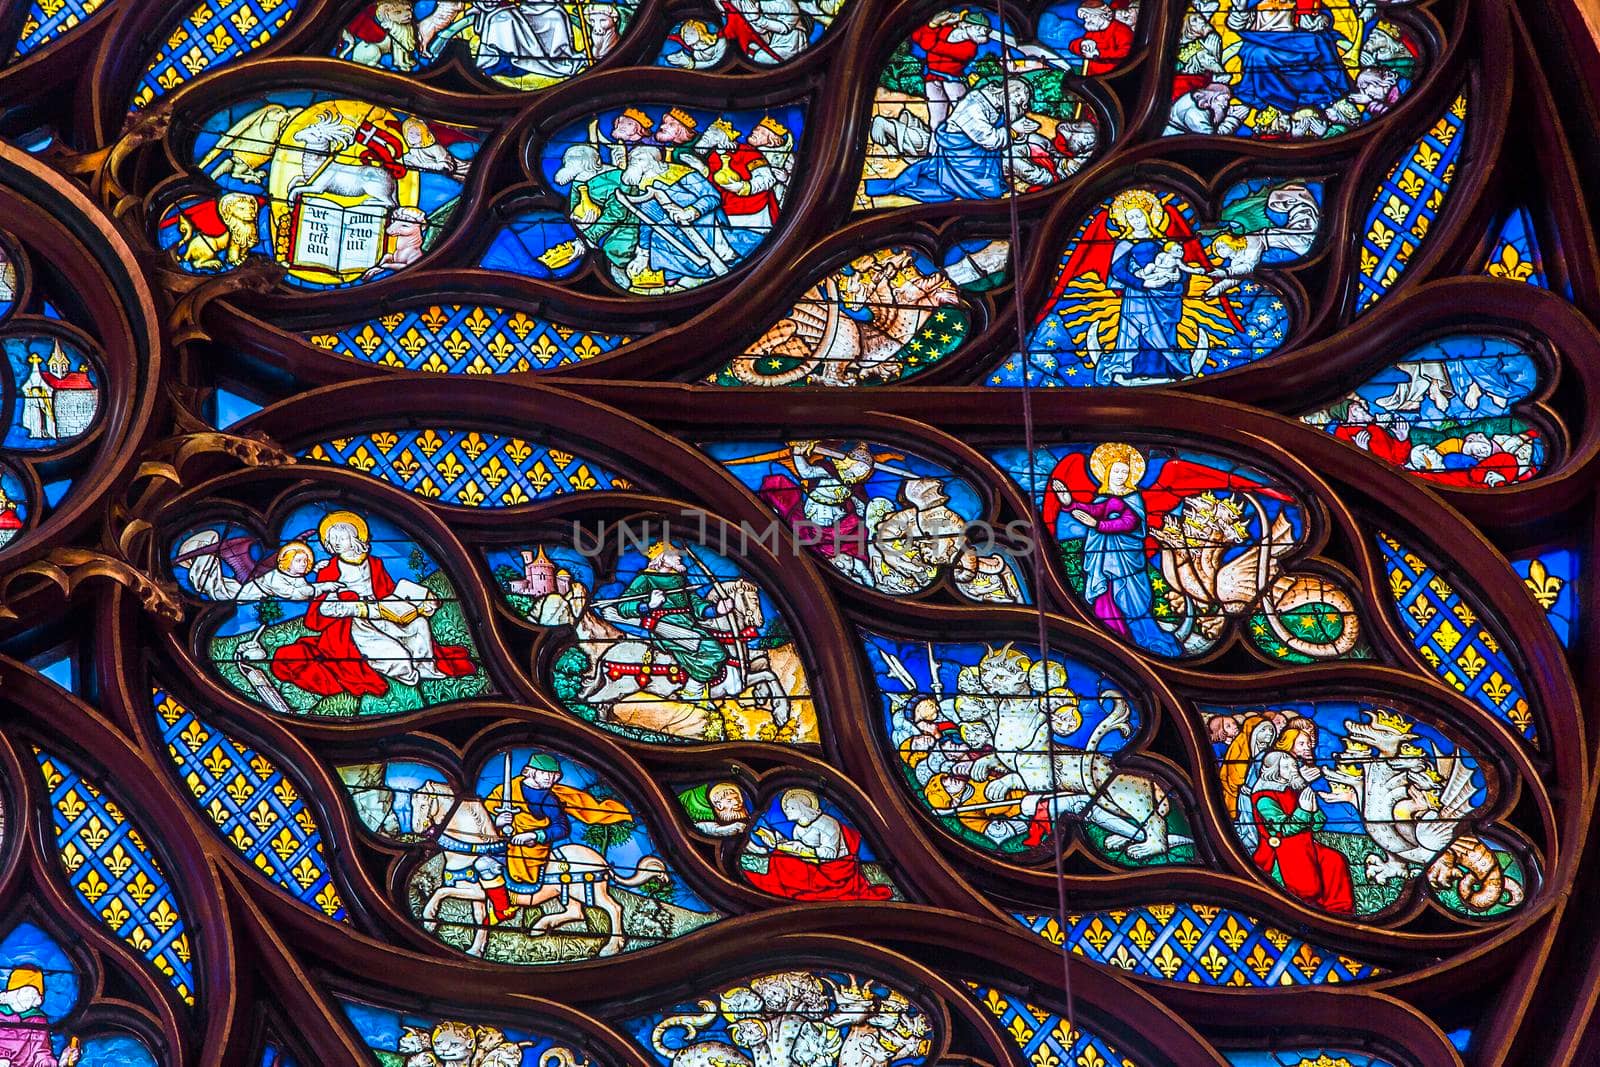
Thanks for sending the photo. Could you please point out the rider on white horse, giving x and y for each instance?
(660, 598)
(536, 813)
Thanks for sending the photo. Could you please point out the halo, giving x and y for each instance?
(336, 518)
(1101, 459)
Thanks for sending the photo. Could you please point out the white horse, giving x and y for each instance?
(622, 665)
(467, 828)
(618, 663)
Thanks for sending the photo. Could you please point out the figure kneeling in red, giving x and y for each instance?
(821, 861)
(1287, 812)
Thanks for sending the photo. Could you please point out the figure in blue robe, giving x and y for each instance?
(1116, 571)
(1286, 65)
(701, 247)
(1146, 345)
(967, 159)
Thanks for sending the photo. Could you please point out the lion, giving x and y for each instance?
(202, 251)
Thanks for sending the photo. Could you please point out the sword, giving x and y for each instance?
(505, 786)
(707, 254)
(992, 805)
(612, 601)
(632, 207)
(693, 235)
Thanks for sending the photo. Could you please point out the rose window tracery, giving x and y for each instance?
(792, 532)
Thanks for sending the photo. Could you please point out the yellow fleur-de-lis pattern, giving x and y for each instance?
(1549, 578)
(48, 19)
(209, 35)
(255, 808)
(1044, 1038)
(1453, 639)
(1515, 256)
(1408, 203)
(1198, 944)
(466, 339)
(471, 468)
(113, 873)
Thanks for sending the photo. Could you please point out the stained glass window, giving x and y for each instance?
(798, 533)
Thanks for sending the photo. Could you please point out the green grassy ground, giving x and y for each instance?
(449, 628)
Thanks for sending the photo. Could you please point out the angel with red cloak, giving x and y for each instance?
(1133, 269)
(820, 860)
(1102, 492)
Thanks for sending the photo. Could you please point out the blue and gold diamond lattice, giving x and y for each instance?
(466, 467)
(257, 810)
(114, 874)
(1452, 639)
(210, 35)
(1199, 944)
(1408, 203)
(1044, 1038)
(466, 339)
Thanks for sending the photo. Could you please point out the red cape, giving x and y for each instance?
(1112, 45)
(328, 662)
(1178, 478)
(365, 26)
(795, 878)
(1307, 868)
(202, 215)
(1380, 442)
(1476, 477)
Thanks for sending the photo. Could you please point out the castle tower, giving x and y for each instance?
(38, 403)
(538, 575)
(74, 394)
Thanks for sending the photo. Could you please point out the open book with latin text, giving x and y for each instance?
(336, 238)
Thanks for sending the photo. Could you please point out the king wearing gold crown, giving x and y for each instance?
(367, 629)
(751, 174)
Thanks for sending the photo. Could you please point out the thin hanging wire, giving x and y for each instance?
(1043, 635)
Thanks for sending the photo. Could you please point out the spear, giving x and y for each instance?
(783, 454)
(717, 588)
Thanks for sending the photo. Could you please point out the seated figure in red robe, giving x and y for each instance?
(363, 634)
(1287, 813)
(820, 861)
